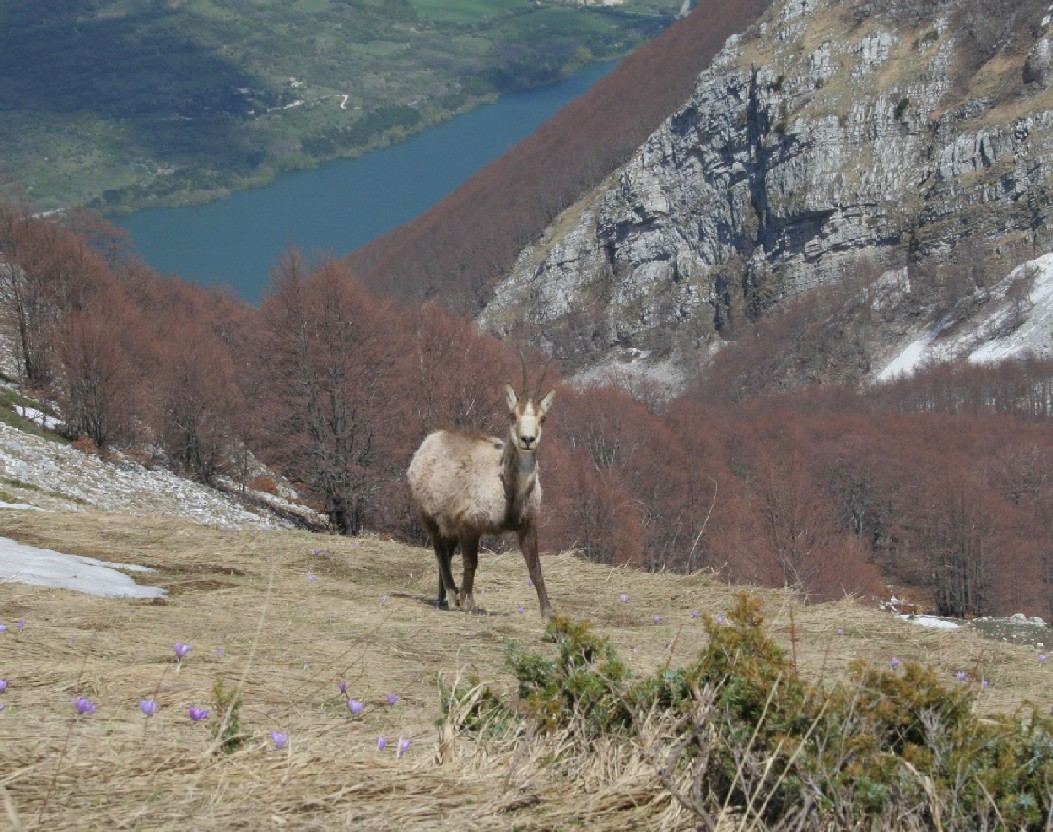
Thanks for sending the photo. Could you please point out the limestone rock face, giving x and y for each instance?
(824, 136)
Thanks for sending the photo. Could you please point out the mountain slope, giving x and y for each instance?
(830, 139)
(53, 476)
(1014, 320)
(457, 249)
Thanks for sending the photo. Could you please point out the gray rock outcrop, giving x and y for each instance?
(819, 139)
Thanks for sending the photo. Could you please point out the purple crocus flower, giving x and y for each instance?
(695, 613)
(280, 738)
(3, 628)
(355, 706)
(342, 686)
(895, 662)
(21, 624)
(84, 706)
(197, 714)
(961, 676)
(623, 597)
(3, 685)
(148, 706)
(657, 619)
(1042, 657)
(522, 610)
(403, 746)
(721, 620)
(220, 652)
(382, 743)
(181, 649)
(393, 698)
(840, 632)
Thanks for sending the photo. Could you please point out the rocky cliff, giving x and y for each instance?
(832, 133)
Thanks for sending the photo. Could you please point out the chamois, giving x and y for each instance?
(468, 486)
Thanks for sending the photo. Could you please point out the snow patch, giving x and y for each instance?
(930, 621)
(45, 567)
(1016, 320)
(40, 417)
(912, 356)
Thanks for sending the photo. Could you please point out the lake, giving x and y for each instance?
(342, 205)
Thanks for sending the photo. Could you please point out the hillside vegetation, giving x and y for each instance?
(280, 619)
(127, 103)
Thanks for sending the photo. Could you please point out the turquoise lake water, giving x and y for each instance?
(334, 209)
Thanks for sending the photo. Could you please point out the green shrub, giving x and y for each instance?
(580, 689)
(891, 748)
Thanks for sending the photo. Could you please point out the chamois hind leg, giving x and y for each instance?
(470, 555)
(444, 547)
(528, 546)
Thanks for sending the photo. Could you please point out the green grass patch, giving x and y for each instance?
(9, 399)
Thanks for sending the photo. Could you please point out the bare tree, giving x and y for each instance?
(328, 351)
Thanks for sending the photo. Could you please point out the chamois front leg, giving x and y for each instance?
(528, 546)
(470, 556)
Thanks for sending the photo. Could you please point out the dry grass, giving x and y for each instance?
(366, 618)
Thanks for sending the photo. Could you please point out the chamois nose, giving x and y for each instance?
(527, 441)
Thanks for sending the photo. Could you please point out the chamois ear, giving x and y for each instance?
(546, 402)
(510, 395)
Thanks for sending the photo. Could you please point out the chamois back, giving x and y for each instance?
(455, 482)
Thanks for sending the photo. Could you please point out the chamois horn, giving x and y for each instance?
(522, 363)
(541, 379)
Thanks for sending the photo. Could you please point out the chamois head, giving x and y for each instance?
(527, 413)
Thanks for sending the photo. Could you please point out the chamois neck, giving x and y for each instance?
(518, 473)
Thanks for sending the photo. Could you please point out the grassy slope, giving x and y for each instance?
(365, 618)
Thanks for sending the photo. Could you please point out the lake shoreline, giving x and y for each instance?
(338, 207)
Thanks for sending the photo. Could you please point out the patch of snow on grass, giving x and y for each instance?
(45, 567)
(930, 621)
(38, 416)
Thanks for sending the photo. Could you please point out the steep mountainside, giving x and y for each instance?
(458, 249)
(832, 134)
